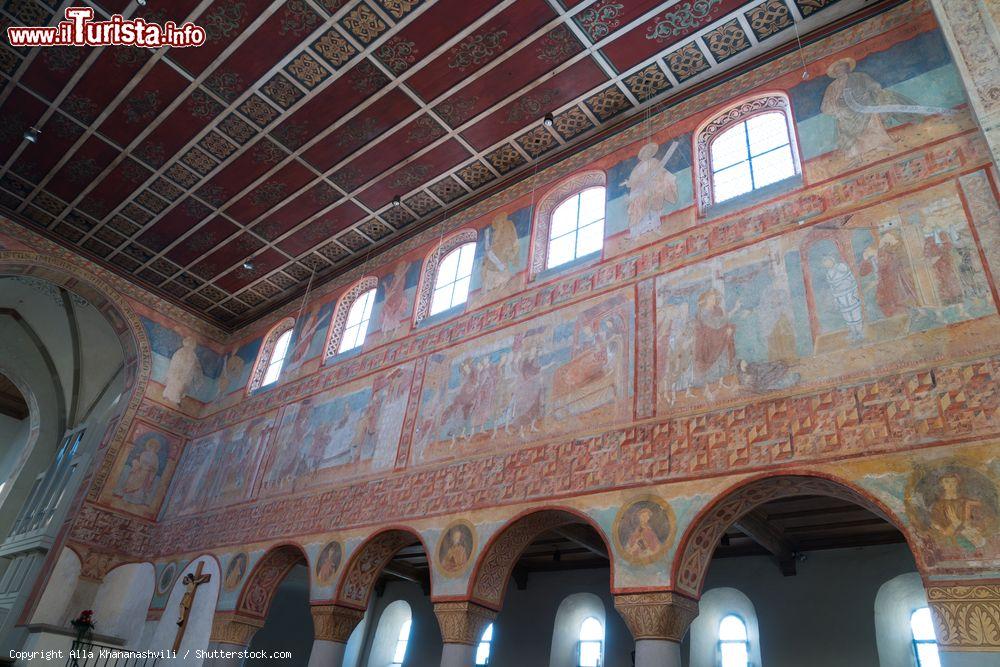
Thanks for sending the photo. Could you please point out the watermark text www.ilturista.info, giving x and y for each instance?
(80, 29)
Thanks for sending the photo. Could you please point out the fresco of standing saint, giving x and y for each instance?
(861, 108)
(651, 188)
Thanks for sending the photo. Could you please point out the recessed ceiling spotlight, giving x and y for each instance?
(248, 265)
(32, 134)
(549, 120)
(396, 201)
(141, 3)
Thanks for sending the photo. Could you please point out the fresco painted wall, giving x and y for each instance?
(842, 323)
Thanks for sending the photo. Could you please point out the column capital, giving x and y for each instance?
(334, 623)
(230, 627)
(462, 622)
(95, 564)
(657, 615)
(966, 614)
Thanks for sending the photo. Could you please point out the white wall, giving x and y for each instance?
(572, 612)
(895, 602)
(823, 616)
(715, 605)
(199, 626)
(53, 603)
(123, 600)
(390, 621)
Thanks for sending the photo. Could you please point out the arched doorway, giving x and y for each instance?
(384, 603)
(77, 353)
(548, 576)
(788, 569)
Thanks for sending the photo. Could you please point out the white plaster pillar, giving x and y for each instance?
(961, 611)
(658, 622)
(327, 653)
(462, 624)
(456, 655)
(332, 627)
(657, 653)
(971, 30)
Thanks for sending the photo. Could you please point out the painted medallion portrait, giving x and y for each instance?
(956, 506)
(166, 578)
(643, 530)
(235, 571)
(328, 563)
(455, 547)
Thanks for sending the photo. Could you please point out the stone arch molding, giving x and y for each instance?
(547, 205)
(492, 571)
(123, 320)
(366, 563)
(260, 586)
(703, 534)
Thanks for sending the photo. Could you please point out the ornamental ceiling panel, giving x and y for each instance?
(307, 134)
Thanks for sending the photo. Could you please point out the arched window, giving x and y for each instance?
(388, 645)
(925, 646)
(577, 227)
(399, 654)
(734, 645)
(746, 148)
(569, 222)
(453, 279)
(351, 317)
(446, 275)
(485, 646)
(591, 646)
(271, 358)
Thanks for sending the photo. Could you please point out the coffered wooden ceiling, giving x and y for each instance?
(285, 138)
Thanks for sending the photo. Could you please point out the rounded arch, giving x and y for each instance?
(265, 577)
(137, 356)
(428, 273)
(547, 204)
(492, 570)
(338, 323)
(264, 354)
(721, 119)
(202, 610)
(34, 426)
(694, 552)
(368, 560)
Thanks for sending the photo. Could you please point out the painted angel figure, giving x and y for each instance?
(651, 187)
(502, 254)
(861, 106)
(183, 366)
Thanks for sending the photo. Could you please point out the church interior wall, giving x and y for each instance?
(895, 602)
(628, 417)
(123, 599)
(199, 619)
(826, 614)
(52, 607)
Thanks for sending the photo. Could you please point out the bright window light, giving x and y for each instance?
(454, 275)
(485, 643)
(591, 642)
(577, 227)
(924, 641)
(404, 638)
(734, 646)
(357, 322)
(277, 359)
(751, 155)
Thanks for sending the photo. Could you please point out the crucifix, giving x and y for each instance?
(191, 582)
